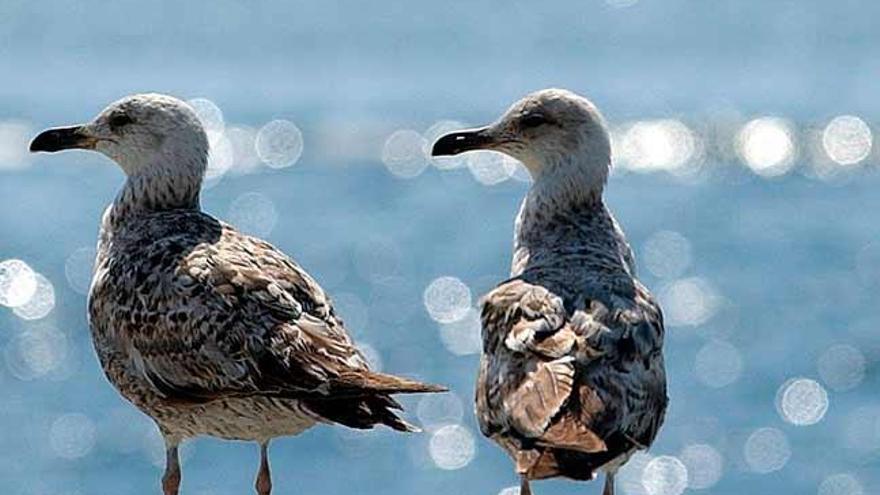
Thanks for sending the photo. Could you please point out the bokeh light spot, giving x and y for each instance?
(18, 282)
(704, 465)
(690, 301)
(37, 352)
(653, 145)
(447, 299)
(847, 140)
(665, 475)
(41, 302)
(279, 143)
(72, 436)
(667, 254)
(404, 154)
(452, 447)
(767, 146)
(802, 401)
(718, 364)
(841, 484)
(767, 450)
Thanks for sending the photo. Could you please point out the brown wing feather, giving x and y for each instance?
(230, 315)
(530, 369)
(567, 390)
(540, 395)
(569, 432)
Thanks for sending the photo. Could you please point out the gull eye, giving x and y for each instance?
(531, 120)
(119, 120)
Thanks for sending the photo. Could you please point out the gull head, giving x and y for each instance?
(144, 134)
(553, 132)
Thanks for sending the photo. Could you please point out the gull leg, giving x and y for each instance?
(171, 478)
(264, 478)
(524, 487)
(609, 484)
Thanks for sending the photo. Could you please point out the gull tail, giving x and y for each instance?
(371, 381)
(362, 400)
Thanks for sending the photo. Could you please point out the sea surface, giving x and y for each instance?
(752, 209)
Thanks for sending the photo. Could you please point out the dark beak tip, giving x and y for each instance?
(38, 144)
(459, 142)
(440, 149)
(57, 139)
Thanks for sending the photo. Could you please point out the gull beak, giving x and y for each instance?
(461, 141)
(63, 138)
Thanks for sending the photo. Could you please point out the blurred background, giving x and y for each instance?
(746, 178)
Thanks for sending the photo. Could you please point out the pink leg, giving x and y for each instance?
(171, 478)
(264, 478)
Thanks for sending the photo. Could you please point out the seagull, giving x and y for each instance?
(571, 378)
(207, 330)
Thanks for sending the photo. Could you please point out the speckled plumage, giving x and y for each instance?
(212, 332)
(572, 373)
(571, 377)
(205, 329)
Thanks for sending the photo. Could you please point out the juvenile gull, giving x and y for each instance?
(571, 378)
(205, 329)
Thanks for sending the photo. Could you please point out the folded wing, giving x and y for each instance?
(234, 317)
(560, 378)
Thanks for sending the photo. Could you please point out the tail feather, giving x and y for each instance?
(362, 399)
(395, 422)
(361, 413)
(384, 383)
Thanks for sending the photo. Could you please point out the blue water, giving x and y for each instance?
(783, 254)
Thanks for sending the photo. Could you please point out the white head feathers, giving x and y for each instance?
(150, 133)
(558, 135)
(156, 139)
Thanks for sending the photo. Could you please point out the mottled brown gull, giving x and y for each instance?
(205, 329)
(571, 378)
